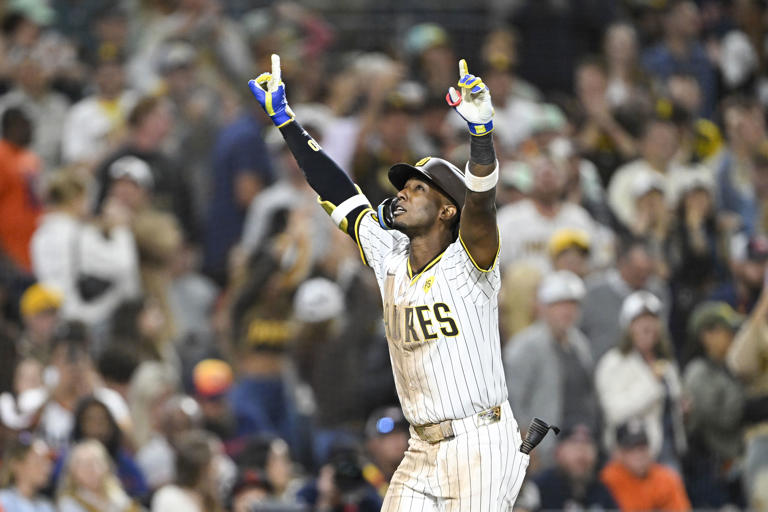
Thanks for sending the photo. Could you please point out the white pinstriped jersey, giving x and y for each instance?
(441, 324)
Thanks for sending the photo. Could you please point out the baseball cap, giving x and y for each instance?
(631, 434)
(317, 300)
(568, 238)
(712, 313)
(251, 478)
(577, 432)
(637, 304)
(645, 183)
(385, 420)
(212, 377)
(176, 55)
(441, 173)
(134, 169)
(560, 286)
(424, 36)
(38, 298)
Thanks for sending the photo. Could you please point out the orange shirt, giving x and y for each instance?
(661, 489)
(19, 202)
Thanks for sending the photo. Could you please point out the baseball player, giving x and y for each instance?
(433, 248)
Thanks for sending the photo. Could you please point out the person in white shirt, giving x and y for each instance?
(95, 268)
(526, 226)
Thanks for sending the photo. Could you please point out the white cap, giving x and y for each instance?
(646, 182)
(637, 304)
(560, 286)
(317, 300)
(134, 169)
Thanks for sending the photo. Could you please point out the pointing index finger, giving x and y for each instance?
(276, 68)
(463, 68)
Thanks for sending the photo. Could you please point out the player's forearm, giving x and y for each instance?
(327, 179)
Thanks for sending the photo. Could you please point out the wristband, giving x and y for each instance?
(481, 183)
(478, 129)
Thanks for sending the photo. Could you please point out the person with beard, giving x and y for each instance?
(572, 484)
(526, 226)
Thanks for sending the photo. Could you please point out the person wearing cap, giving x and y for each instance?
(149, 123)
(716, 405)
(748, 265)
(526, 226)
(650, 218)
(93, 265)
(636, 481)
(569, 250)
(433, 249)
(639, 379)
(573, 481)
(386, 440)
(746, 358)
(40, 306)
(635, 270)
(212, 380)
(549, 366)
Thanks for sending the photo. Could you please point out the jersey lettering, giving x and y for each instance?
(425, 322)
(441, 314)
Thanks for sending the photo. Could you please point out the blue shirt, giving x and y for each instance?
(12, 501)
(239, 149)
(659, 61)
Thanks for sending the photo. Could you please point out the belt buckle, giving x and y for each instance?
(489, 416)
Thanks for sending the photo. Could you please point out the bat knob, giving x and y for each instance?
(536, 432)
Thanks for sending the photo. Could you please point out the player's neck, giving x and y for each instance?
(426, 247)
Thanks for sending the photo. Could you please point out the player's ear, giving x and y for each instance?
(448, 211)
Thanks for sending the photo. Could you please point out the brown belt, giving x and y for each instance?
(436, 432)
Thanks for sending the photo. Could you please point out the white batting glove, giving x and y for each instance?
(473, 104)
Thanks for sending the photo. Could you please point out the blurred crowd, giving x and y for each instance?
(182, 328)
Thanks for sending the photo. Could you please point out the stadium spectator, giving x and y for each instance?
(573, 481)
(748, 264)
(714, 415)
(241, 169)
(744, 126)
(386, 440)
(45, 107)
(93, 420)
(639, 379)
(569, 250)
(194, 489)
(634, 271)
(270, 457)
(40, 307)
(636, 481)
(26, 469)
(549, 365)
(149, 124)
(626, 80)
(20, 205)
(95, 125)
(526, 226)
(89, 482)
(93, 266)
(680, 50)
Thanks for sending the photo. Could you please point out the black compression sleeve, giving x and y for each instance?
(323, 175)
(481, 149)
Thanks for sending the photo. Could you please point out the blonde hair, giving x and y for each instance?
(63, 187)
(111, 486)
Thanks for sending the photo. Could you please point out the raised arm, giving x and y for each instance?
(339, 196)
(477, 228)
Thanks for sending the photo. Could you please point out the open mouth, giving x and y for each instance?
(398, 210)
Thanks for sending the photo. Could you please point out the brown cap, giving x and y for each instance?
(441, 173)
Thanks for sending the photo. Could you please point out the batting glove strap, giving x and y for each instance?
(274, 103)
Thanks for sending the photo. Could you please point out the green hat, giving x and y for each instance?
(709, 314)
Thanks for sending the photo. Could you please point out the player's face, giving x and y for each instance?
(419, 205)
